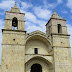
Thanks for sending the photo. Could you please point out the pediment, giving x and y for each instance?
(37, 33)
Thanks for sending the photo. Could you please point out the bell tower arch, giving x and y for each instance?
(15, 23)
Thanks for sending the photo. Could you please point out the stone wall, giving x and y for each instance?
(62, 53)
(0, 68)
(62, 57)
(13, 50)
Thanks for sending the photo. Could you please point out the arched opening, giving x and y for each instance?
(59, 28)
(14, 23)
(36, 68)
(39, 63)
(38, 45)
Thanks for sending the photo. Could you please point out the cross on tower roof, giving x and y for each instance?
(55, 15)
(15, 6)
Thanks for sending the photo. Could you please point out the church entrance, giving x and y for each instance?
(36, 68)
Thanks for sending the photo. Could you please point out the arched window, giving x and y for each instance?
(59, 28)
(14, 23)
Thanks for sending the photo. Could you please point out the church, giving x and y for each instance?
(35, 51)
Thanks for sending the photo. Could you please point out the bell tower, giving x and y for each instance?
(14, 19)
(13, 42)
(56, 25)
(56, 29)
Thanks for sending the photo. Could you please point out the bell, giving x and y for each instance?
(14, 24)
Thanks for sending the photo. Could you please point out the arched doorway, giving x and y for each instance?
(36, 68)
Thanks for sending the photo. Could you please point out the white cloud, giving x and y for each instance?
(25, 5)
(30, 16)
(2, 13)
(59, 1)
(69, 27)
(30, 27)
(65, 12)
(51, 5)
(6, 5)
(69, 4)
(1, 22)
(1, 27)
(33, 23)
(42, 13)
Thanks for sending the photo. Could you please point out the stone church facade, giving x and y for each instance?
(35, 51)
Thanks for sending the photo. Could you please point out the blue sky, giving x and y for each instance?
(37, 13)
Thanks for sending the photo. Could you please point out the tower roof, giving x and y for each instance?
(15, 9)
(15, 6)
(55, 15)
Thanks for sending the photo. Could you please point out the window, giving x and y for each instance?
(14, 23)
(59, 28)
(36, 50)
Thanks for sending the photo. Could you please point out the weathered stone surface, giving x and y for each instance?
(18, 47)
(0, 68)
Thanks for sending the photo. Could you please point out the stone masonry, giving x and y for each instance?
(35, 51)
